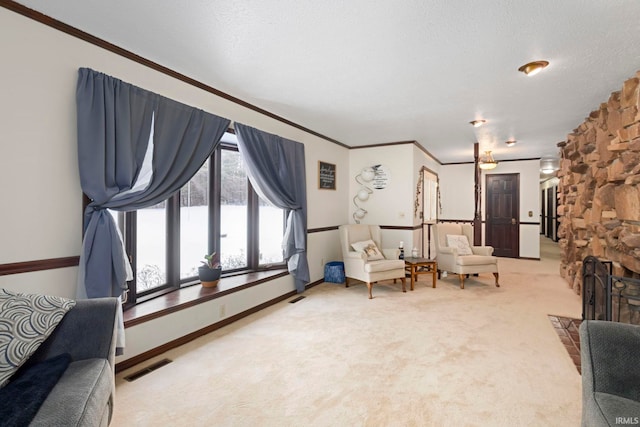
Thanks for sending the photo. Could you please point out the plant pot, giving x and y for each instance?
(209, 277)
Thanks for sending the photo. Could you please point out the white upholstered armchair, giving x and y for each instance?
(366, 264)
(452, 257)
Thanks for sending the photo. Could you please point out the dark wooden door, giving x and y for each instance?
(503, 224)
(551, 195)
(543, 212)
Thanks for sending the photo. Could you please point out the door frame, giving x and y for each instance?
(426, 226)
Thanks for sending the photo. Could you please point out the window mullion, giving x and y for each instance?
(215, 180)
(130, 238)
(253, 228)
(173, 240)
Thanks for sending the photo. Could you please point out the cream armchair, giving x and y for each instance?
(357, 264)
(448, 258)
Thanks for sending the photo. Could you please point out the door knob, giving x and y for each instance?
(513, 221)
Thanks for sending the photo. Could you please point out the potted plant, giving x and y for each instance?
(209, 272)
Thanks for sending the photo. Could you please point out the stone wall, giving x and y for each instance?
(599, 191)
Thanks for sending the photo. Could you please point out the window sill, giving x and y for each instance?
(193, 295)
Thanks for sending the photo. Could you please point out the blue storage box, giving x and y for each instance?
(334, 272)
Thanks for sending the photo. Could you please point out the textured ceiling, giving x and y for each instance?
(369, 72)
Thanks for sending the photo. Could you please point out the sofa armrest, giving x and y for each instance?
(610, 359)
(482, 250)
(446, 258)
(87, 331)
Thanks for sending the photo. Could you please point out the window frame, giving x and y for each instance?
(127, 225)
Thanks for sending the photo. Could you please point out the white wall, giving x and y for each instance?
(393, 205)
(456, 191)
(390, 206)
(549, 183)
(40, 184)
(39, 172)
(529, 171)
(456, 187)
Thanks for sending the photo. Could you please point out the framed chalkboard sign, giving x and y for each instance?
(326, 176)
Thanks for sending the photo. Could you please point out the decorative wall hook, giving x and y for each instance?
(366, 175)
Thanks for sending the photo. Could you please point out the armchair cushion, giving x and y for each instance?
(476, 260)
(459, 242)
(369, 248)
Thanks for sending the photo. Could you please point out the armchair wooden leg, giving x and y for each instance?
(496, 275)
(370, 285)
(404, 288)
(439, 274)
(461, 276)
(346, 282)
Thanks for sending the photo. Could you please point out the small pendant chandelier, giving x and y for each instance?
(487, 162)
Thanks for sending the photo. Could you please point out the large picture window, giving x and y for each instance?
(217, 210)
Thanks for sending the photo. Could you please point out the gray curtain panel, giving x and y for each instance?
(276, 169)
(135, 149)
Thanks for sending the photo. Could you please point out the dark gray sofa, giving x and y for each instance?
(84, 394)
(610, 359)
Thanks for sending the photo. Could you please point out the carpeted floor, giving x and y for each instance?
(482, 356)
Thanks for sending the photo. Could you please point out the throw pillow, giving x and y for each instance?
(25, 322)
(459, 242)
(369, 248)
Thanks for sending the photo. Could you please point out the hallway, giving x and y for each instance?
(549, 250)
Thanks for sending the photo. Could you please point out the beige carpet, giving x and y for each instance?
(482, 356)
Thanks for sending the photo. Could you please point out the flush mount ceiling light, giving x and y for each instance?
(477, 123)
(511, 142)
(487, 162)
(549, 166)
(533, 68)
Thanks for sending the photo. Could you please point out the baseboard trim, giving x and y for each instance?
(321, 229)
(531, 258)
(126, 364)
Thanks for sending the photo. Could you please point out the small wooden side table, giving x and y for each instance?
(429, 266)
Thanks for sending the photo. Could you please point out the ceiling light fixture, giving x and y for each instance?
(477, 123)
(487, 162)
(549, 166)
(511, 142)
(533, 68)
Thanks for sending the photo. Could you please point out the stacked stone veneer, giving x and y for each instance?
(599, 191)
